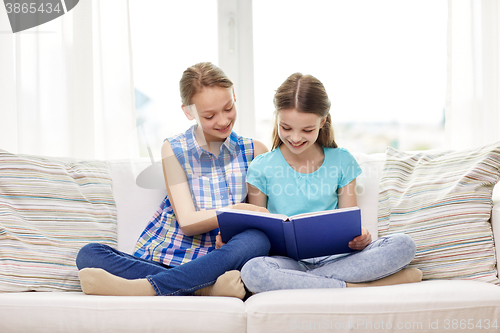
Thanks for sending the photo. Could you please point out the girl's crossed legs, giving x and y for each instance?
(381, 258)
(132, 272)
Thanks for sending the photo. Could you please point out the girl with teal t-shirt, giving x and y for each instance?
(307, 172)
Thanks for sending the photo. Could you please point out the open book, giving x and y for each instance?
(300, 236)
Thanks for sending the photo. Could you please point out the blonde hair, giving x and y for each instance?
(304, 93)
(196, 77)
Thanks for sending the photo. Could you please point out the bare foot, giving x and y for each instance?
(96, 281)
(406, 275)
(228, 284)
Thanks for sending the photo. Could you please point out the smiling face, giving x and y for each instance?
(216, 112)
(298, 130)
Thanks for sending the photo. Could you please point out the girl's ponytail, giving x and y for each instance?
(326, 137)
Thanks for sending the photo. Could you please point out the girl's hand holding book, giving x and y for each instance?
(253, 208)
(362, 241)
(242, 206)
(218, 241)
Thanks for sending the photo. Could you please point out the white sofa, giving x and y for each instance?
(428, 306)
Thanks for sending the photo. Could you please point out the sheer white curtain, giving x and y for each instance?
(472, 105)
(66, 87)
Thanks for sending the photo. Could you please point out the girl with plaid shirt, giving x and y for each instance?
(205, 169)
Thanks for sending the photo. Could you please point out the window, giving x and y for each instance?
(167, 37)
(383, 64)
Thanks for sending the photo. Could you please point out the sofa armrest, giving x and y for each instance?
(495, 225)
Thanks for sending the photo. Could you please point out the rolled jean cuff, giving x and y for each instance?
(153, 284)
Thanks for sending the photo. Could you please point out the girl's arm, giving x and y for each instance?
(347, 195)
(347, 198)
(256, 197)
(259, 148)
(191, 221)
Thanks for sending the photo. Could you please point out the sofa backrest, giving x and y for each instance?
(367, 187)
(135, 205)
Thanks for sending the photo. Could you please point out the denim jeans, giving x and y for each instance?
(381, 258)
(179, 280)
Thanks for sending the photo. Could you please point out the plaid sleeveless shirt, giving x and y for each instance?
(214, 182)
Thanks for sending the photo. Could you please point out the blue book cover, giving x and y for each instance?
(300, 236)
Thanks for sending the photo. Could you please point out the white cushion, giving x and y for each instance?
(415, 307)
(77, 312)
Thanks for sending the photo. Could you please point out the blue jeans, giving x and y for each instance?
(381, 258)
(179, 280)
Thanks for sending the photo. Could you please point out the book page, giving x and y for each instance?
(333, 211)
(250, 212)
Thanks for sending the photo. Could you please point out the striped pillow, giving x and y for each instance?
(49, 209)
(443, 201)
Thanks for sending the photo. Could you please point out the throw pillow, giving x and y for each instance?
(49, 209)
(443, 201)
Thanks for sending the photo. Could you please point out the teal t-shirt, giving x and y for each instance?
(290, 192)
